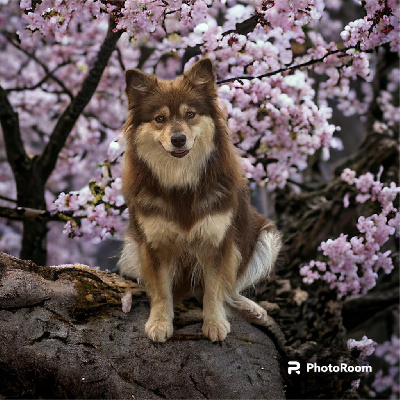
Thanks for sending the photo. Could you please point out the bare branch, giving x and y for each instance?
(30, 214)
(33, 214)
(5, 198)
(103, 123)
(287, 69)
(33, 57)
(49, 75)
(120, 58)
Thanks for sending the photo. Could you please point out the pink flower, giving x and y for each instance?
(365, 345)
(348, 176)
(346, 200)
(353, 264)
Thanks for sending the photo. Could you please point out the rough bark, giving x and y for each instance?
(63, 335)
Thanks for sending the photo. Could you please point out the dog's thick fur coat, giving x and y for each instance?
(192, 229)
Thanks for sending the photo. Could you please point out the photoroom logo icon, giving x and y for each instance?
(293, 366)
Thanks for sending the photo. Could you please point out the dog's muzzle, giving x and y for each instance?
(178, 140)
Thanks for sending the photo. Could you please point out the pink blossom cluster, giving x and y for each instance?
(388, 380)
(344, 67)
(97, 211)
(340, 66)
(386, 101)
(276, 122)
(160, 18)
(276, 125)
(61, 62)
(339, 70)
(365, 346)
(68, 51)
(353, 264)
(379, 26)
(265, 49)
(54, 19)
(287, 18)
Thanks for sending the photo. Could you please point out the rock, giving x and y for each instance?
(63, 334)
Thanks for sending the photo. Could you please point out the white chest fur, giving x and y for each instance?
(209, 230)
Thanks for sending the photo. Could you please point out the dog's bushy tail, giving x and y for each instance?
(263, 259)
(129, 264)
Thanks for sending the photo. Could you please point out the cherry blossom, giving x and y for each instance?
(277, 121)
(387, 379)
(365, 346)
(354, 263)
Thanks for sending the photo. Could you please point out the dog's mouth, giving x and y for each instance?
(179, 153)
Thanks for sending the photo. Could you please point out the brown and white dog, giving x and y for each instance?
(192, 229)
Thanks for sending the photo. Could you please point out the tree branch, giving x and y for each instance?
(5, 198)
(48, 158)
(49, 74)
(286, 69)
(120, 59)
(248, 26)
(9, 121)
(31, 214)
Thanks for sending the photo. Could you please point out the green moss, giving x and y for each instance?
(94, 299)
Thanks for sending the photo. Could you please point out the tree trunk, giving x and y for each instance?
(30, 194)
(34, 242)
(63, 334)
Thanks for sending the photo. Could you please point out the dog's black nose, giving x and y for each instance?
(178, 140)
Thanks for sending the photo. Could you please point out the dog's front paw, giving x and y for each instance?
(216, 330)
(159, 330)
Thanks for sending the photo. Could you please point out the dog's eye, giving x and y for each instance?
(190, 114)
(160, 119)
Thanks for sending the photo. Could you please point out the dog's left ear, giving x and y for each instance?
(201, 74)
(138, 84)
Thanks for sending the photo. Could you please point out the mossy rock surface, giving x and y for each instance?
(63, 335)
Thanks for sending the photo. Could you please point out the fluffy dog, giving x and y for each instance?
(192, 229)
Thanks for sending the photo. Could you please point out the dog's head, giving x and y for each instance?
(176, 114)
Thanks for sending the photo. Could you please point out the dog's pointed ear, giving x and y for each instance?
(201, 74)
(138, 84)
